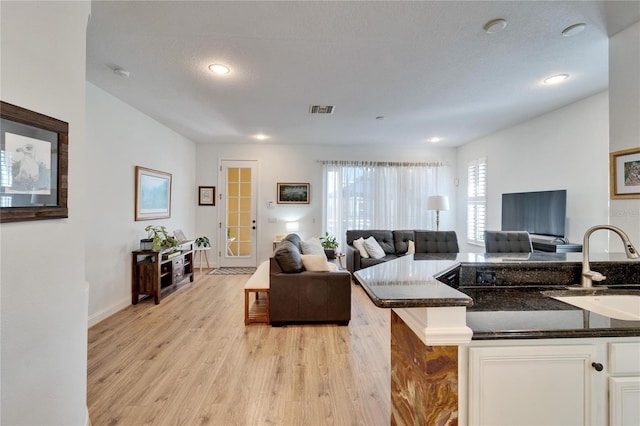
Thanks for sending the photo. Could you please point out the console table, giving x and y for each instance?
(154, 272)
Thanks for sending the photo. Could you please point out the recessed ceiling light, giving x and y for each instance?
(434, 139)
(555, 79)
(495, 26)
(219, 69)
(574, 29)
(261, 137)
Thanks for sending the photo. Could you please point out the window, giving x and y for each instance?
(372, 195)
(476, 200)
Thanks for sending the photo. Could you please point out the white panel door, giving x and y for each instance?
(237, 240)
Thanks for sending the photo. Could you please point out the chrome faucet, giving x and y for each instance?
(589, 276)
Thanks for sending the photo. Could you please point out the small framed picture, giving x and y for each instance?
(293, 193)
(207, 195)
(625, 173)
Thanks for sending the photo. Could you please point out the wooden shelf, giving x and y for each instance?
(152, 275)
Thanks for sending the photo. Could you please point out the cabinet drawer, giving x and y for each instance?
(624, 358)
(178, 261)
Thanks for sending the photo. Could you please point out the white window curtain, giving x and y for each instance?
(374, 195)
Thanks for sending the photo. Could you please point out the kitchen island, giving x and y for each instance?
(456, 348)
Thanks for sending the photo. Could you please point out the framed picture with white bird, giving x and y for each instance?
(33, 165)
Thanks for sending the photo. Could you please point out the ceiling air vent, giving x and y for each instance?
(321, 109)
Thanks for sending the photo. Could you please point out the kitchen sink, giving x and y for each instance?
(618, 306)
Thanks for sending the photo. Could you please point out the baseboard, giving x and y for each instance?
(108, 311)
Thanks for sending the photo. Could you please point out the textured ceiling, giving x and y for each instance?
(427, 67)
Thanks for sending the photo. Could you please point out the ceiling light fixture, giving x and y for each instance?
(574, 29)
(434, 139)
(219, 69)
(555, 79)
(261, 137)
(495, 26)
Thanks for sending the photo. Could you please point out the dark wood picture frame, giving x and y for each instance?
(206, 195)
(153, 194)
(624, 168)
(34, 184)
(293, 193)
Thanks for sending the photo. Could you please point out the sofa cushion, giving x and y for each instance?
(384, 238)
(359, 244)
(436, 242)
(373, 248)
(312, 246)
(365, 263)
(315, 262)
(288, 256)
(295, 240)
(401, 240)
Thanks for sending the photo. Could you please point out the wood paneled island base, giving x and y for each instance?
(424, 379)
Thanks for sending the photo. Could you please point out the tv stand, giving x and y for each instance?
(555, 246)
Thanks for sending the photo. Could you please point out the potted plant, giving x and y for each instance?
(330, 245)
(161, 238)
(203, 242)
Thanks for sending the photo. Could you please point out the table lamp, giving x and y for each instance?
(437, 203)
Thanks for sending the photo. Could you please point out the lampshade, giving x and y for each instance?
(438, 202)
(292, 226)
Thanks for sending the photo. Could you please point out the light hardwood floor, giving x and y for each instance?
(190, 361)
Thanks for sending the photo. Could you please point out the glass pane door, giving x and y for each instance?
(239, 225)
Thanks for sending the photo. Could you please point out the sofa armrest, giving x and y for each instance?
(353, 259)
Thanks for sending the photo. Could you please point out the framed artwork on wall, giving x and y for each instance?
(293, 193)
(34, 156)
(206, 195)
(625, 173)
(153, 194)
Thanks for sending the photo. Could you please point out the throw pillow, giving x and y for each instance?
(315, 262)
(359, 244)
(312, 246)
(412, 247)
(288, 257)
(374, 249)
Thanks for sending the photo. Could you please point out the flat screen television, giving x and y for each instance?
(540, 213)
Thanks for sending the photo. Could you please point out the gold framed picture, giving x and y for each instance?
(625, 173)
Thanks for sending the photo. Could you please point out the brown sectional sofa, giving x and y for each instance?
(297, 295)
(396, 244)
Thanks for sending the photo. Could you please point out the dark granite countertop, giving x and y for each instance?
(496, 312)
(527, 313)
(405, 283)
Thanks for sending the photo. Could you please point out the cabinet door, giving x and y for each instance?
(530, 385)
(624, 401)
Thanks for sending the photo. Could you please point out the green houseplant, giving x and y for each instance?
(161, 238)
(203, 242)
(329, 244)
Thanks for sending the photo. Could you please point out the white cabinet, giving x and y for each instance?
(551, 382)
(624, 383)
(534, 385)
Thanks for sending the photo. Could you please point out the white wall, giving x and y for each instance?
(119, 138)
(564, 149)
(44, 295)
(290, 163)
(624, 116)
